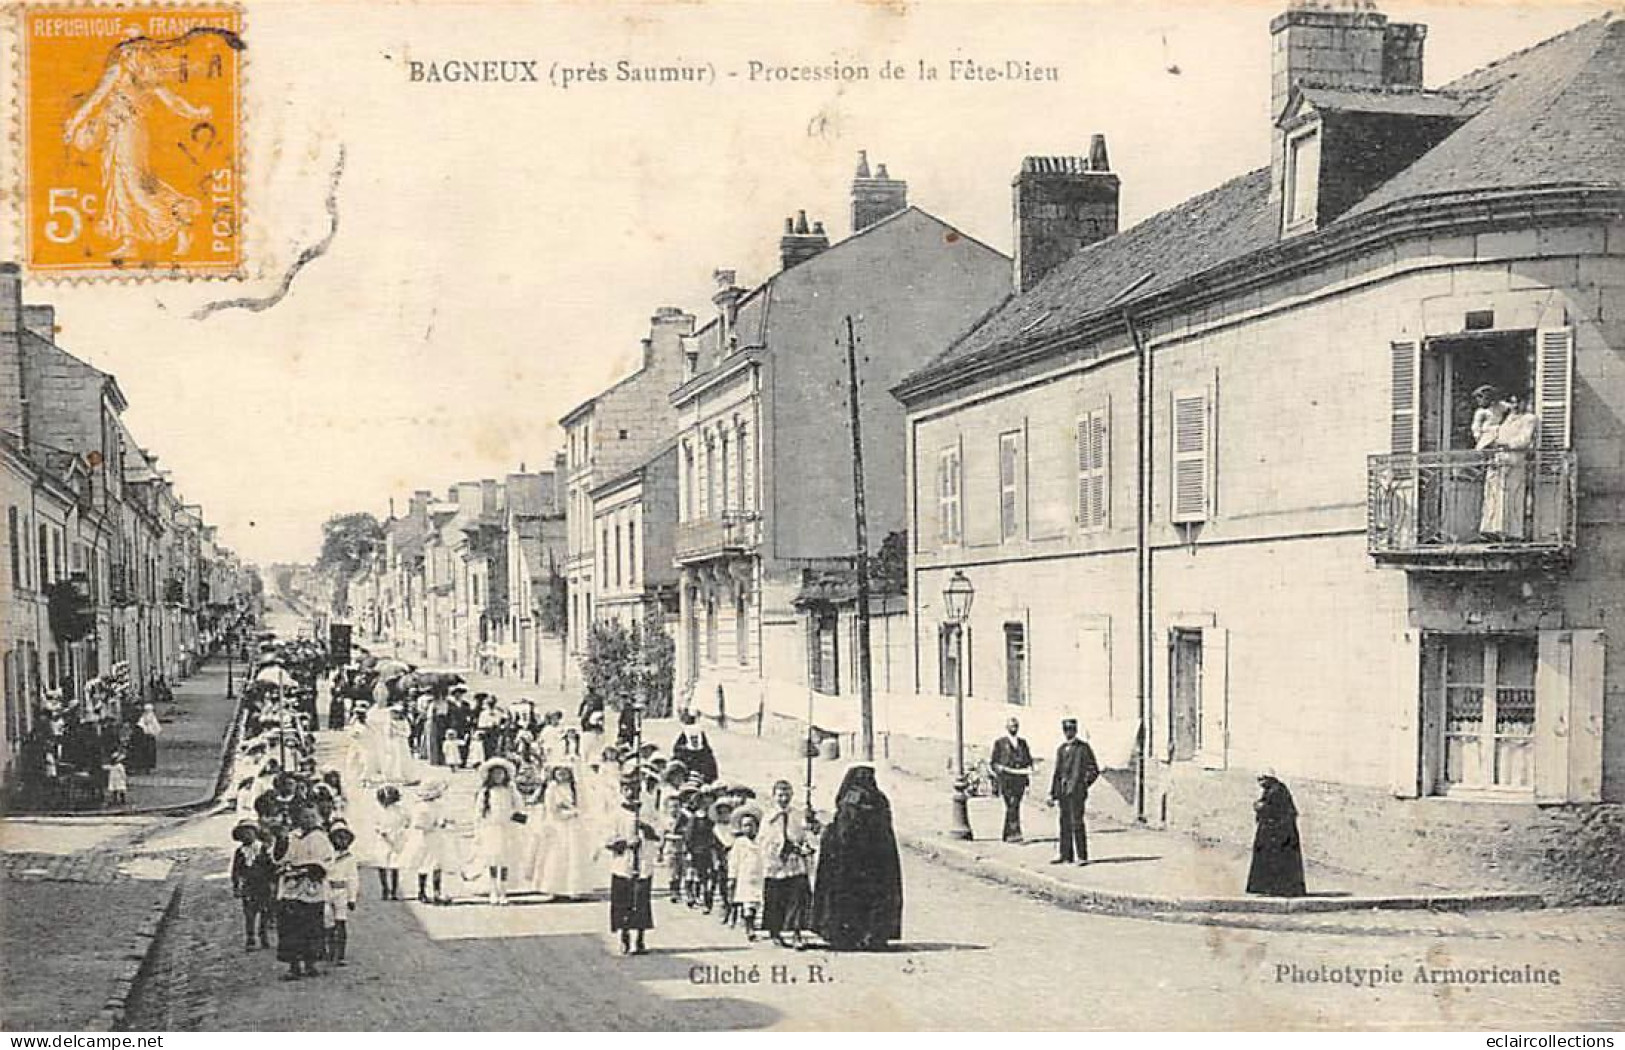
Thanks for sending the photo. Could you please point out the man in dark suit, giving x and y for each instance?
(1075, 771)
(1013, 765)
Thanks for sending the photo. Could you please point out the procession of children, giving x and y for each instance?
(555, 814)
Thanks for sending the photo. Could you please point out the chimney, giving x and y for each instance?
(1352, 46)
(800, 243)
(13, 392)
(1062, 204)
(875, 197)
(726, 298)
(418, 508)
(41, 320)
(667, 328)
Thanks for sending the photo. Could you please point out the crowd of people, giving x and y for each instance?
(557, 811)
(82, 748)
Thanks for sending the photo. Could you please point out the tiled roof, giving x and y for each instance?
(1203, 232)
(1558, 118)
(1551, 116)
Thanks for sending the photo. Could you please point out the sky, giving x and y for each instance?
(501, 247)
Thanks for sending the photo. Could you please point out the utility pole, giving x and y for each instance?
(865, 686)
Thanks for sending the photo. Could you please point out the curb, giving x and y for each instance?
(137, 961)
(1227, 911)
(222, 777)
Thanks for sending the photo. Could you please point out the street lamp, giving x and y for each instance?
(956, 601)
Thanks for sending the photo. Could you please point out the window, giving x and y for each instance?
(1094, 462)
(710, 477)
(618, 582)
(948, 489)
(1192, 488)
(689, 487)
(726, 495)
(711, 629)
(14, 545)
(1487, 689)
(1010, 485)
(1303, 177)
(1015, 663)
(947, 660)
(824, 651)
(741, 502)
(604, 557)
(43, 552)
(1185, 694)
(632, 553)
(742, 628)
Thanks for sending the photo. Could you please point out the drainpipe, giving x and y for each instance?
(1142, 546)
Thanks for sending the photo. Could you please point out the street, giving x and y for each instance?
(974, 955)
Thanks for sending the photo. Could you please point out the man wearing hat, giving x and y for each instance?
(1075, 771)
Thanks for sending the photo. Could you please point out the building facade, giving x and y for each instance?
(1218, 482)
(764, 446)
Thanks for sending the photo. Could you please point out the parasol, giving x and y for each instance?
(276, 676)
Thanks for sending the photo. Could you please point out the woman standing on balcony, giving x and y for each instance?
(1506, 486)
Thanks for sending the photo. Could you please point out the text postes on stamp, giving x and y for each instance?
(132, 153)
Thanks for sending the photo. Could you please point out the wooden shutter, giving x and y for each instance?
(1554, 387)
(1406, 378)
(1553, 662)
(1191, 488)
(1094, 458)
(1405, 705)
(1215, 698)
(1432, 711)
(942, 496)
(1585, 716)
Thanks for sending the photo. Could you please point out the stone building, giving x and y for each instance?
(1214, 478)
(606, 436)
(764, 449)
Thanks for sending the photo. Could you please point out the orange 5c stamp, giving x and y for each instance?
(132, 151)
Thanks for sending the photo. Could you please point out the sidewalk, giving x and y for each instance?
(1133, 870)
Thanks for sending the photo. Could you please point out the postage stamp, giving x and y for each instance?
(131, 146)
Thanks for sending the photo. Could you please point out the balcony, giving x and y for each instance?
(735, 532)
(1471, 511)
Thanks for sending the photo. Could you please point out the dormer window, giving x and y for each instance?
(1302, 178)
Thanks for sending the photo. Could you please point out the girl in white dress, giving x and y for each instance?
(569, 846)
(496, 805)
(427, 843)
(389, 833)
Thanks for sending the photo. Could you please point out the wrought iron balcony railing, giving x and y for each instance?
(1471, 510)
(735, 532)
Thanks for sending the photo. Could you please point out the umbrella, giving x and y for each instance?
(276, 676)
(388, 667)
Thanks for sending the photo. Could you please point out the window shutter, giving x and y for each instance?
(1585, 716)
(942, 497)
(1553, 663)
(1406, 362)
(1404, 735)
(1103, 467)
(1554, 386)
(1085, 441)
(1191, 488)
(1215, 698)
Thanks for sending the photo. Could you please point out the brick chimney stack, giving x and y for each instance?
(13, 402)
(875, 196)
(1062, 204)
(41, 320)
(800, 243)
(1351, 45)
(667, 328)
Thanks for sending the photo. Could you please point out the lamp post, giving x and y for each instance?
(956, 601)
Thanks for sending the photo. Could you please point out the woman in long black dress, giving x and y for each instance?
(858, 894)
(1277, 869)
